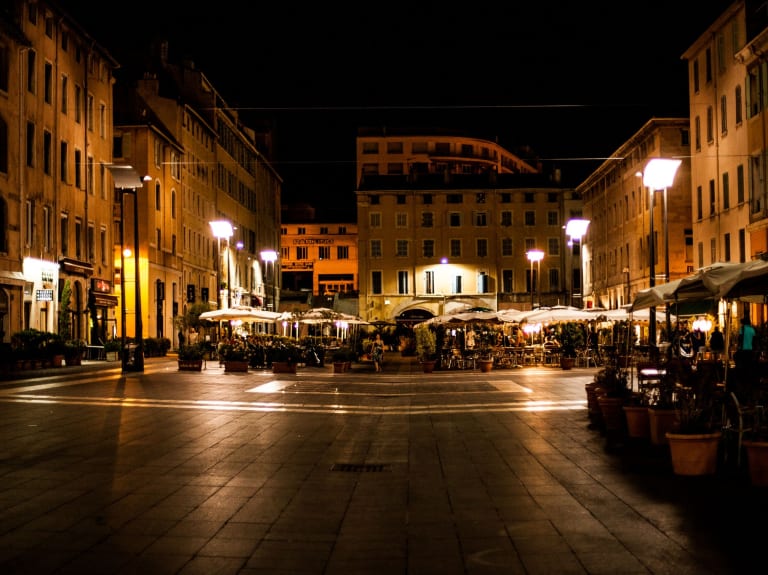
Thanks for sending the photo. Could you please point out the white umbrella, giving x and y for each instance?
(553, 315)
(240, 313)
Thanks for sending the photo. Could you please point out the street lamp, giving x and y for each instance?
(659, 174)
(128, 181)
(268, 256)
(534, 256)
(222, 229)
(576, 229)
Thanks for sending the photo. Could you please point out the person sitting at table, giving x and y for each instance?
(551, 340)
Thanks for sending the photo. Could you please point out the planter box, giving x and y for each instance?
(661, 421)
(485, 365)
(236, 365)
(757, 461)
(190, 365)
(695, 453)
(567, 362)
(338, 367)
(428, 366)
(283, 367)
(638, 421)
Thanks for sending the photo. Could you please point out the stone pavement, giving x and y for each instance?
(358, 473)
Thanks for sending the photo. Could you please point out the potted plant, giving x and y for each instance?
(340, 357)
(426, 347)
(613, 392)
(74, 350)
(112, 348)
(191, 357)
(54, 349)
(694, 442)
(235, 355)
(571, 338)
(284, 355)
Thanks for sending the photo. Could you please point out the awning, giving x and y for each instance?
(12, 278)
(103, 300)
(76, 267)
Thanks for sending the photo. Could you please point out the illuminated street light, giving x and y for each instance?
(659, 174)
(534, 256)
(222, 229)
(268, 256)
(576, 229)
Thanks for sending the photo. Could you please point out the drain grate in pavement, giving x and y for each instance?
(359, 467)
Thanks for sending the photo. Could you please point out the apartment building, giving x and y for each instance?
(727, 75)
(318, 258)
(56, 198)
(207, 166)
(617, 246)
(446, 223)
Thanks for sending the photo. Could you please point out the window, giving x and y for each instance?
(695, 75)
(78, 104)
(727, 247)
(428, 248)
(103, 244)
(89, 175)
(29, 223)
(63, 151)
(175, 166)
(454, 199)
(507, 281)
(375, 248)
(394, 147)
(30, 145)
(553, 246)
(699, 201)
(482, 247)
(342, 230)
(456, 287)
(506, 198)
(324, 252)
(4, 67)
(48, 83)
(530, 218)
(506, 218)
(342, 252)
(529, 197)
(427, 219)
(370, 147)
(455, 248)
(481, 219)
(376, 282)
(78, 238)
(31, 70)
(102, 121)
(480, 197)
(401, 248)
(739, 185)
(429, 282)
(708, 64)
(374, 219)
(738, 102)
(301, 231)
(482, 282)
(553, 218)
(401, 220)
(91, 243)
(506, 247)
(402, 282)
(712, 196)
(742, 246)
(47, 229)
(723, 116)
(454, 219)
(158, 196)
(710, 125)
(697, 133)
(64, 234)
(554, 279)
(78, 169)
(426, 199)
(173, 204)
(726, 192)
(302, 253)
(395, 169)
(712, 250)
(47, 152)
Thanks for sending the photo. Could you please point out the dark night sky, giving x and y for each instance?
(572, 80)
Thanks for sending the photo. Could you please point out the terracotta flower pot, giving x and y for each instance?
(757, 461)
(694, 453)
(638, 424)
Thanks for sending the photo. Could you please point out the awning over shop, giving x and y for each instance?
(76, 267)
(12, 278)
(103, 300)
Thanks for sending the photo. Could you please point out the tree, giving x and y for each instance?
(65, 320)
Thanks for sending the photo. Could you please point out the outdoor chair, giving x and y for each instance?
(740, 419)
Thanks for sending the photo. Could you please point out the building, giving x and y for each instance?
(616, 255)
(56, 200)
(319, 261)
(727, 75)
(446, 224)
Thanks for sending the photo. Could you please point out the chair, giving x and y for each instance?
(740, 419)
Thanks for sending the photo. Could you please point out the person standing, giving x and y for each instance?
(377, 352)
(744, 351)
(181, 339)
(717, 341)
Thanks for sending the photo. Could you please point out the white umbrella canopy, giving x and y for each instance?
(559, 314)
(655, 296)
(239, 313)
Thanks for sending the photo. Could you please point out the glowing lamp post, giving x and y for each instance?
(659, 174)
(534, 256)
(222, 229)
(268, 256)
(576, 229)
